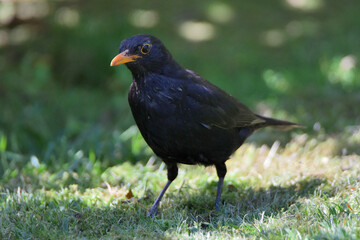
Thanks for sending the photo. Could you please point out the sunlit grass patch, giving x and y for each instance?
(342, 70)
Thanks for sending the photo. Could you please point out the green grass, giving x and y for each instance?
(69, 153)
(304, 191)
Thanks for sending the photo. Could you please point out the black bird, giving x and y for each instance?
(183, 117)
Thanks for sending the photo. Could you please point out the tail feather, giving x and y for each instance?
(279, 124)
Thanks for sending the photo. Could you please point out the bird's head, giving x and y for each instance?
(142, 53)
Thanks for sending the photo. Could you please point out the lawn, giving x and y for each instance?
(74, 166)
(299, 191)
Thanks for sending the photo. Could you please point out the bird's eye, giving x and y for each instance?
(145, 49)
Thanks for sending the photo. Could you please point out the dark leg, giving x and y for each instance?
(221, 172)
(172, 174)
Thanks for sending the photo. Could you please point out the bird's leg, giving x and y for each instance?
(153, 209)
(221, 172)
(172, 174)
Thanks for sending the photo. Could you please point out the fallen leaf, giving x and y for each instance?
(349, 206)
(129, 194)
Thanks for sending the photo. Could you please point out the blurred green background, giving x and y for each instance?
(61, 103)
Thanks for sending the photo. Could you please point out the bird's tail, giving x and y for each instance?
(279, 124)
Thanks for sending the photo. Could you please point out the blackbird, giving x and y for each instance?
(183, 117)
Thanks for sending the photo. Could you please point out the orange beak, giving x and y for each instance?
(122, 58)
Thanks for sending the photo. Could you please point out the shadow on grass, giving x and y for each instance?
(43, 216)
(247, 203)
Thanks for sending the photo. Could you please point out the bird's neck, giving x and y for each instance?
(168, 69)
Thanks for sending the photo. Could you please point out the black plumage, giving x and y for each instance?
(182, 117)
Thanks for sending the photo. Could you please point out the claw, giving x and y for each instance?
(152, 212)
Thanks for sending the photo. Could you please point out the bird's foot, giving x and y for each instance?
(152, 212)
(217, 207)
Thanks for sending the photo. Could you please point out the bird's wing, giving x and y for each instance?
(214, 107)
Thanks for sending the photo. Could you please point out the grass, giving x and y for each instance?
(72, 166)
(303, 190)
